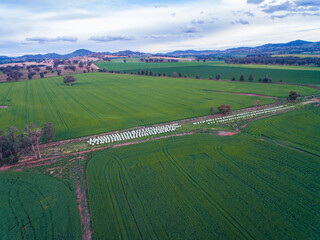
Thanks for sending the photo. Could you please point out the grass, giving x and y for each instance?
(204, 187)
(100, 102)
(299, 129)
(289, 74)
(35, 206)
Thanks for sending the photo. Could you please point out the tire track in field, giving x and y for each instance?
(310, 210)
(16, 197)
(81, 104)
(135, 196)
(116, 211)
(125, 196)
(27, 102)
(37, 193)
(233, 222)
(5, 96)
(54, 106)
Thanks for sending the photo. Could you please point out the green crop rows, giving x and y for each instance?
(299, 129)
(37, 207)
(289, 74)
(100, 102)
(204, 187)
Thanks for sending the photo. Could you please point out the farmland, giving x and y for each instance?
(204, 187)
(100, 102)
(299, 129)
(289, 74)
(37, 207)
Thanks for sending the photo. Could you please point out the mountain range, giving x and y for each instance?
(294, 47)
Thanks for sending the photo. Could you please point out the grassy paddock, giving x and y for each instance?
(99, 102)
(289, 74)
(299, 129)
(37, 207)
(204, 187)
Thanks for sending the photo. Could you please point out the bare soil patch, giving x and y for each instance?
(225, 133)
(4, 106)
(245, 94)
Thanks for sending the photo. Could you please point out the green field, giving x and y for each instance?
(299, 129)
(289, 74)
(204, 187)
(37, 207)
(100, 102)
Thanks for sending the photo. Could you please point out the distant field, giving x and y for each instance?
(100, 102)
(204, 187)
(296, 55)
(37, 207)
(299, 128)
(289, 74)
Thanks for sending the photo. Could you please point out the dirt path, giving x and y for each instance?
(81, 185)
(4, 106)
(245, 94)
(224, 133)
(312, 100)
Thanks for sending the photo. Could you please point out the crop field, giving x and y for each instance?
(289, 74)
(204, 187)
(100, 102)
(37, 207)
(299, 129)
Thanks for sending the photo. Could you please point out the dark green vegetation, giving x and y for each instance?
(204, 187)
(299, 129)
(99, 102)
(302, 75)
(37, 207)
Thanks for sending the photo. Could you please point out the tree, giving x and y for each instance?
(42, 75)
(33, 134)
(180, 75)
(197, 76)
(242, 77)
(250, 78)
(48, 132)
(212, 110)
(59, 72)
(266, 79)
(233, 78)
(11, 145)
(31, 74)
(124, 60)
(69, 80)
(293, 96)
(80, 65)
(174, 74)
(224, 109)
(218, 76)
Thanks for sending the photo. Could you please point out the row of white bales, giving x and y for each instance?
(244, 115)
(128, 135)
(151, 131)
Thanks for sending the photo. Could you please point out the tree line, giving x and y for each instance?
(13, 144)
(274, 60)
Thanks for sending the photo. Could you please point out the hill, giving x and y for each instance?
(294, 47)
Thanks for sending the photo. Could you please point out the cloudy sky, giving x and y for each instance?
(63, 26)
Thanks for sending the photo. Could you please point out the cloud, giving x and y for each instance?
(190, 30)
(307, 3)
(110, 38)
(160, 6)
(197, 21)
(254, 1)
(286, 6)
(158, 36)
(240, 21)
(47, 40)
(249, 14)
